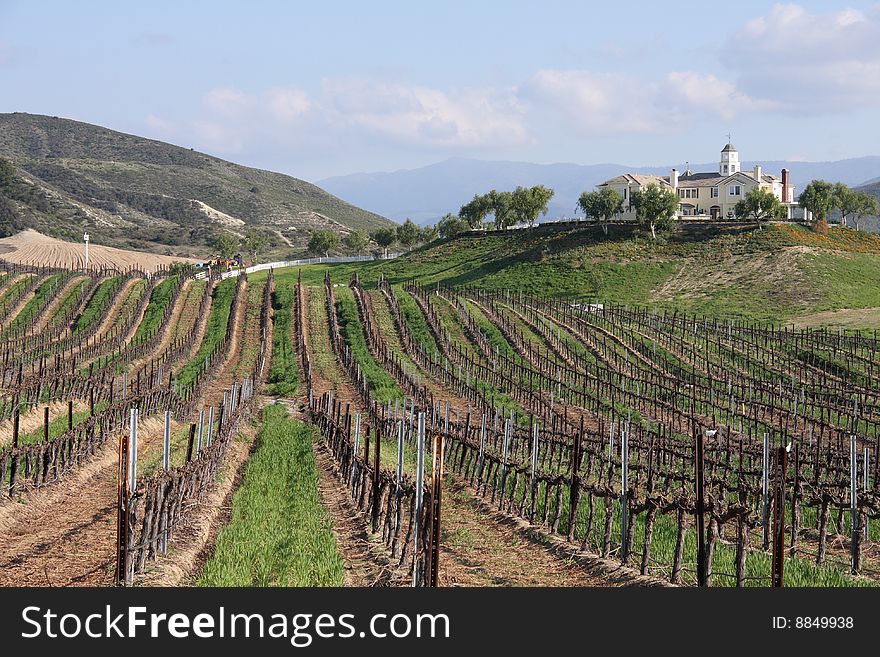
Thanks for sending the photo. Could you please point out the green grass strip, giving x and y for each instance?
(160, 297)
(284, 375)
(280, 534)
(382, 384)
(33, 305)
(11, 290)
(415, 321)
(73, 297)
(98, 305)
(218, 320)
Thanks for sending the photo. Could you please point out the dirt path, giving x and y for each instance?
(366, 562)
(66, 535)
(199, 327)
(480, 547)
(327, 373)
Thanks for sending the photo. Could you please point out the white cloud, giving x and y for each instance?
(418, 115)
(343, 113)
(596, 102)
(288, 104)
(808, 62)
(610, 103)
(718, 98)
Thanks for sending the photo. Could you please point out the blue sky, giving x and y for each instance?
(316, 89)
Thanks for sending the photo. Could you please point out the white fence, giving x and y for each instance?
(299, 263)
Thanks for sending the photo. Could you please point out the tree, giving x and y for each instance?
(408, 234)
(451, 225)
(501, 205)
(818, 198)
(385, 237)
(323, 242)
(655, 208)
(846, 200)
(474, 212)
(601, 205)
(429, 234)
(226, 244)
(867, 207)
(255, 243)
(761, 205)
(357, 241)
(528, 202)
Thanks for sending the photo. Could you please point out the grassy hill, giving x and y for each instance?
(780, 273)
(138, 193)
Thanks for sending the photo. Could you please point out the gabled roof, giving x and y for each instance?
(637, 179)
(729, 148)
(701, 180)
(712, 179)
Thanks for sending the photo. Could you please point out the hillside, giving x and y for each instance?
(31, 247)
(781, 273)
(132, 192)
(429, 192)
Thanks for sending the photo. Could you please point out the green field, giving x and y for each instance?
(280, 534)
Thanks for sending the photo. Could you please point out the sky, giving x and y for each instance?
(317, 89)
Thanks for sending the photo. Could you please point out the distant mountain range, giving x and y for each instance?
(429, 192)
(132, 192)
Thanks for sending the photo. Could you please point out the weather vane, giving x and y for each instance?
(728, 137)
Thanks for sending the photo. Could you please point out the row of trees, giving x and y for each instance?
(521, 206)
(822, 198)
(357, 242)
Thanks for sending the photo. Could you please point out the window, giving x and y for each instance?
(624, 193)
(688, 192)
(723, 168)
(713, 193)
(734, 190)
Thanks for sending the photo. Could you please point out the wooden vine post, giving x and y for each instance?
(699, 464)
(437, 468)
(122, 513)
(778, 574)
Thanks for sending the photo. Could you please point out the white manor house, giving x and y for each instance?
(710, 195)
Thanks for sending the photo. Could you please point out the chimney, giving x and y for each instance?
(785, 191)
(673, 179)
(758, 174)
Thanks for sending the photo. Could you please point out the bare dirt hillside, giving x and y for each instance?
(32, 247)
